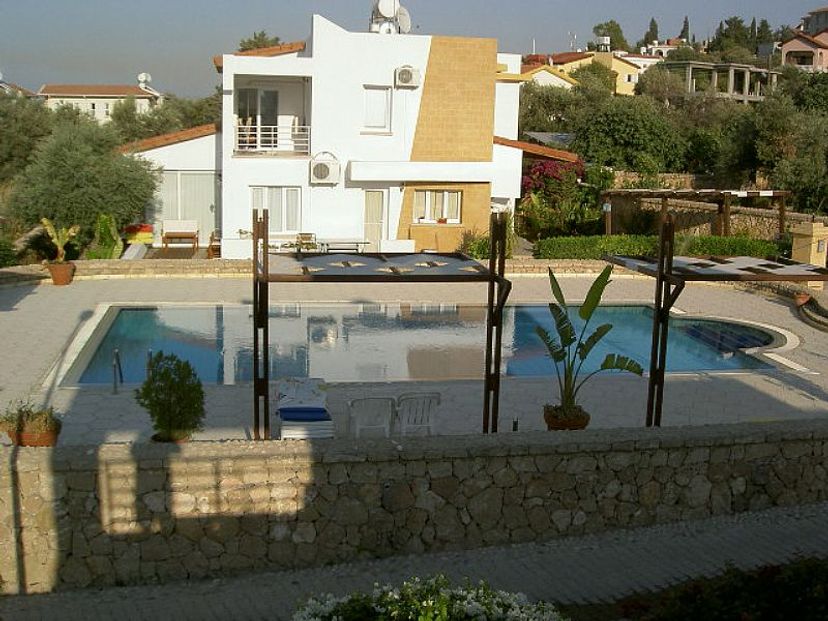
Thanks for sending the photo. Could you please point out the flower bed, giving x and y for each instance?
(431, 599)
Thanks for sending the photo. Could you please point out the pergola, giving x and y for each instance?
(722, 198)
(270, 266)
(672, 273)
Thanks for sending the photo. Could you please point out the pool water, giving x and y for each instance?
(385, 342)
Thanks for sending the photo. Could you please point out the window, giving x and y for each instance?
(377, 108)
(433, 205)
(283, 205)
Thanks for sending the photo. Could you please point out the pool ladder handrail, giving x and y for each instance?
(117, 371)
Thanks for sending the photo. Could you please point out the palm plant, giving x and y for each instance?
(59, 237)
(570, 350)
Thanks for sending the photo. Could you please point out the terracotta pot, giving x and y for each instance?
(801, 299)
(42, 438)
(62, 273)
(574, 418)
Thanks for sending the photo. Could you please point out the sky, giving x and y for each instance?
(111, 41)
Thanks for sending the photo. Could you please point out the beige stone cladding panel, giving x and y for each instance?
(474, 216)
(456, 117)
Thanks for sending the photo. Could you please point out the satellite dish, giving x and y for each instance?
(387, 28)
(144, 78)
(388, 8)
(404, 20)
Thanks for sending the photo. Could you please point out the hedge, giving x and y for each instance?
(596, 246)
(7, 254)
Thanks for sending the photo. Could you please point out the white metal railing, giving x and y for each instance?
(293, 139)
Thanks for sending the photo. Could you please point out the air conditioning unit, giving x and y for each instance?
(406, 77)
(324, 169)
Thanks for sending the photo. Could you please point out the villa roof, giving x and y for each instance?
(165, 140)
(809, 39)
(565, 58)
(16, 87)
(274, 50)
(557, 72)
(822, 10)
(94, 90)
(537, 150)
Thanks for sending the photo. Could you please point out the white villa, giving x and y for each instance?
(97, 100)
(401, 141)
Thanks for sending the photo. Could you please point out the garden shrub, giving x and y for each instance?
(433, 599)
(596, 246)
(173, 396)
(107, 243)
(7, 254)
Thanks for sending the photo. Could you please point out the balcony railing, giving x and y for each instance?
(273, 139)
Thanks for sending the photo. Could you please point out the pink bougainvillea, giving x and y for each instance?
(544, 171)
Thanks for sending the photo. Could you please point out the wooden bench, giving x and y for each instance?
(179, 230)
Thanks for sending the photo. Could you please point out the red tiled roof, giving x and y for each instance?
(528, 68)
(568, 57)
(165, 140)
(275, 50)
(536, 59)
(537, 150)
(812, 40)
(93, 90)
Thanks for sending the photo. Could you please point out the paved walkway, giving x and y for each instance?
(592, 569)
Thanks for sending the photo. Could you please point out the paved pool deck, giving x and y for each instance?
(39, 321)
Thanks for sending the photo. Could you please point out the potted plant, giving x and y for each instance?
(570, 350)
(61, 270)
(173, 396)
(442, 220)
(29, 426)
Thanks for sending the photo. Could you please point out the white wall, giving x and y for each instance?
(84, 104)
(544, 78)
(196, 154)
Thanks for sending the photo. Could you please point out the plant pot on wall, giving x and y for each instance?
(38, 438)
(442, 220)
(559, 418)
(62, 273)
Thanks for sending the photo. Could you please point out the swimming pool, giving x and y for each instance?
(385, 342)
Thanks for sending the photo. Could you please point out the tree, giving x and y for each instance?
(651, 34)
(131, 125)
(595, 77)
(194, 112)
(546, 108)
(23, 123)
(661, 84)
(685, 29)
(612, 29)
(809, 92)
(76, 174)
(764, 33)
(258, 40)
(630, 133)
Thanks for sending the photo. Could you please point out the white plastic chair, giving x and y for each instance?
(415, 412)
(375, 413)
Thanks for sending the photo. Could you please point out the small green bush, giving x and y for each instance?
(173, 396)
(596, 246)
(7, 254)
(426, 600)
(107, 243)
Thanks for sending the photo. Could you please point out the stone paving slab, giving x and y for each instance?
(583, 570)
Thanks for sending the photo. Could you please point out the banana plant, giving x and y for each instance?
(569, 350)
(59, 237)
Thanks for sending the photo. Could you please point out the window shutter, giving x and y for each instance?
(292, 209)
(377, 113)
(419, 205)
(453, 206)
(274, 206)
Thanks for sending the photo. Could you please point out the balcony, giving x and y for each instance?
(274, 140)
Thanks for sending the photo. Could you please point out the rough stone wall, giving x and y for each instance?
(122, 514)
(699, 218)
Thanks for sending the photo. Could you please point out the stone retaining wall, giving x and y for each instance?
(699, 218)
(123, 514)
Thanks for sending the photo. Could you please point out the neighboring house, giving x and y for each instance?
(548, 76)
(98, 100)
(627, 72)
(189, 187)
(642, 61)
(8, 88)
(815, 22)
(807, 52)
(662, 48)
(377, 137)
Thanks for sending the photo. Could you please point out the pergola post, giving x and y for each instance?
(726, 216)
(662, 217)
(782, 215)
(668, 288)
(499, 289)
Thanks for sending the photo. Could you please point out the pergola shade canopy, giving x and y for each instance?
(717, 269)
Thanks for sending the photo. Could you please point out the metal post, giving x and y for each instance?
(256, 380)
(726, 216)
(668, 288)
(782, 215)
(487, 378)
(264, 303)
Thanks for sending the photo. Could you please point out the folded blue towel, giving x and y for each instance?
(297, 414)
